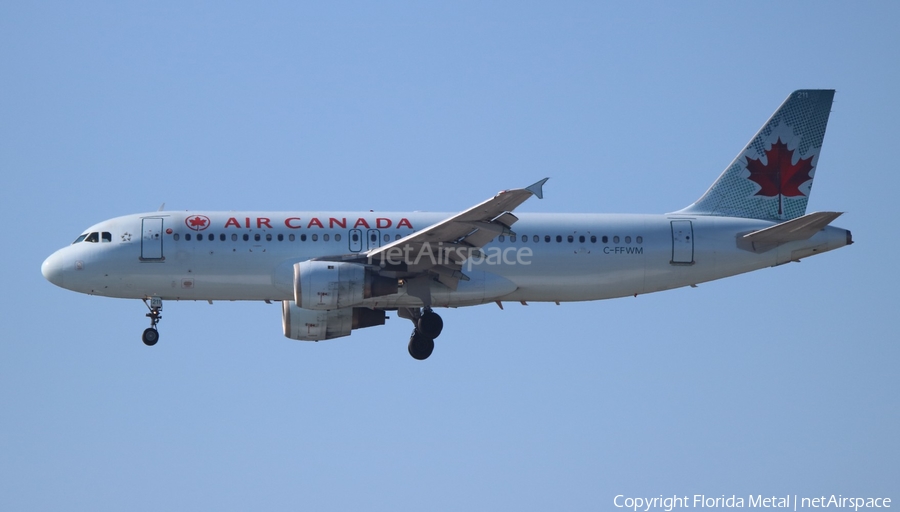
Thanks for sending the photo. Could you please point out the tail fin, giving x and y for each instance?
(772, 177)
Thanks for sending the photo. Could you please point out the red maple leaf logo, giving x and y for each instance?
(197, 223)
(778, 176)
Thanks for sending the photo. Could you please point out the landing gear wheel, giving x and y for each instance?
(150, 336)
(420, 346)
(430, 324)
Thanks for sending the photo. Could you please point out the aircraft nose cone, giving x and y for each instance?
(52, 269)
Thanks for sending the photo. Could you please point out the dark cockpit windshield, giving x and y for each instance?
(94, 237)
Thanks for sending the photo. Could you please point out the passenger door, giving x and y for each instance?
(682, 242)
(151, 239)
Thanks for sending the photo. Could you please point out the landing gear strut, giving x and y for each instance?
(151, 335)
(428, 327)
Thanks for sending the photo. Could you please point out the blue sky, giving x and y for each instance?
(783, 381)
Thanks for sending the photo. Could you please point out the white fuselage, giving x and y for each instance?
(553, 257)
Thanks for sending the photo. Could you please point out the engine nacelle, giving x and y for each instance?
(308, 325)
(328, 285)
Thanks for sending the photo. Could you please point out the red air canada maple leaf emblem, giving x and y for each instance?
(778, 176)
(197, 222)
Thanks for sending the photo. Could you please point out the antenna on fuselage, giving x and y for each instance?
(161, 207)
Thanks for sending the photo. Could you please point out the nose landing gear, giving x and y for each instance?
(151, 335)
(428, 327)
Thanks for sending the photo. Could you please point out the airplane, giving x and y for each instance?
(335, 272)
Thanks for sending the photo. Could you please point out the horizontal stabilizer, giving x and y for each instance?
(801, 228)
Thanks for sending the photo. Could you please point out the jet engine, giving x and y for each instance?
(308, 325)
(329, 285)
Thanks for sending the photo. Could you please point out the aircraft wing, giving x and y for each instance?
(441, 248)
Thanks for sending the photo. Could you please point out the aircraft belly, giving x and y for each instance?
(578, 276)
(187, 275)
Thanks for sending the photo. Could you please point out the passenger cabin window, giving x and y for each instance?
(187, 236)
(176, 236)
(325, 237)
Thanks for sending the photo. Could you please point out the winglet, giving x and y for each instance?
(538, 188)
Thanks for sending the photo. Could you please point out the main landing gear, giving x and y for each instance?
(428, 327)
(151, 335)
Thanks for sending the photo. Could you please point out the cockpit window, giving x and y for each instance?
(106, 236)
(80, 239)
(93, 237)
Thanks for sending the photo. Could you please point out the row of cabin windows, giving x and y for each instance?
(94, 237)
(571, 238)
(258, 237)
